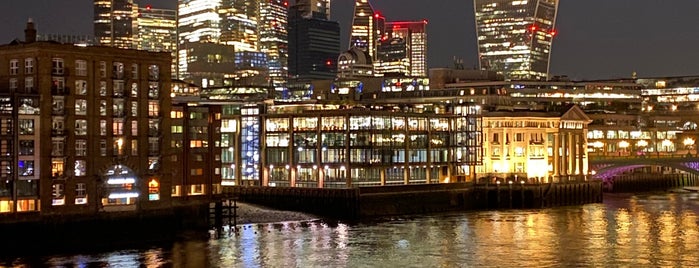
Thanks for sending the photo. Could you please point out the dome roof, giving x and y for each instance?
(359, 56)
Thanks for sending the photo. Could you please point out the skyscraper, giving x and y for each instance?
(239, 19)
(198, 21)
(367, 28)
(157, 31)
(403, 49)
(274, 39)
(314, 8)
(515, 37)
(314, 42)
(113, 22)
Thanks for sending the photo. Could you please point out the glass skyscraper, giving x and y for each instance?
(515, 36)
(113, 22)
(273, 38)
(367, 28)
(403, 49)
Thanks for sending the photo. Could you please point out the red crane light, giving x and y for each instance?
(553, 33)
(148, 7)
(533, 28)
(329, 62)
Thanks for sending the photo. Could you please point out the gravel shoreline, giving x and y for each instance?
(251, 213)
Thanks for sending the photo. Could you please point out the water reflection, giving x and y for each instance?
(643, 230)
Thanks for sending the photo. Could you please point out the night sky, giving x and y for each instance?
(597, 39)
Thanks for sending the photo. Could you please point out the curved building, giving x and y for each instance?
(515, 36)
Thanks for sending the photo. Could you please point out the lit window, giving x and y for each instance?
(81, 68)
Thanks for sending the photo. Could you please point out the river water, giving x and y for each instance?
(649, 230)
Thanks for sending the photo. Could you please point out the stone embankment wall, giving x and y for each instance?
(368, 202)
(638, 182)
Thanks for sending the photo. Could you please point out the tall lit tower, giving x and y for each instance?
(239, 19)
(157, 31)
(113, 22)
(515, 37)
(198, 21)
(403, 49)
(314, 8)
(366, 28)
(273, 38)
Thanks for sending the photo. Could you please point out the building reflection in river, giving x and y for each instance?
(645, 230)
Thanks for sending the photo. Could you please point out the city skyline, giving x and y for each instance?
(642, 36)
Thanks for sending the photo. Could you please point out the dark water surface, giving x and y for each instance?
(649, 230)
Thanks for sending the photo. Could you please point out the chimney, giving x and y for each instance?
(30, 32)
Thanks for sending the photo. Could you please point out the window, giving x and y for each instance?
(59, 84)
(58, 194)
(80, 168)
(14, 67)
(26, 168)
(153, 108)
(57, 145)
(80, 148)
(153, 127)
(153, 145)
(134, 90)
(80, 107)
(57, 167)
(103, 127)
(28, 66)
(118, 70)
(496, 137)
(118, 127)
(81, 68)
(519, 136)
(134, 128)
(26, 127)
(103, 69)
(134, 71)
(118, 88)
(176, 114)
(134, 108)
(153, 89)
(81, 127)
(103, 107)
(153, 72)
(26, 147)
(57, 66)
(118, 146)
(103, 147)
(13, 84)
(118, 108)
(80, 87)
(57, 105)
(134, 147)
(80, 194)
(57, 125)
(103, 88)
(29, 84)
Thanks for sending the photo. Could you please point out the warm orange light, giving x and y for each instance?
(153, 183)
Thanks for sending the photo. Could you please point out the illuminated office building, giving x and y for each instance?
(403, 49)
(314, 44)
(239, 24)
(367, 28)
(314, 8)
(114, 22)
(273, 39)
(157, 31)
(515, 37)
(198, 21)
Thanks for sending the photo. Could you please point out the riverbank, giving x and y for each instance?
(251, 213)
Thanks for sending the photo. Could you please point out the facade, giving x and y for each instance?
(82, 128)
(114, 22)
(314, 44)
(367, 28)
(319, 9)
(219, 66)
(354, 63)
(403, 49)
(515, 37)
(535, 146)
(239, 24)
(274, 39)
(198, 21)
(157, 31)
